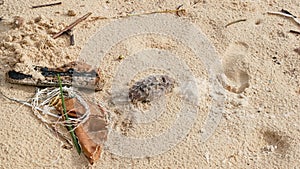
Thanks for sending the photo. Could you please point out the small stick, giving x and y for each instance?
(237, 21)
(295, 32)
(183, 11)
(150, 13)
(286, 14)
(164, 11)
(72, 25)
(280, 13)
(45, 5)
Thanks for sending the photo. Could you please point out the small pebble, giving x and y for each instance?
(71, 13)
(52, 31)
(37, 19)
(121, 57)
(257, 22)
(297, 50)
(9, 38)
(18, 22)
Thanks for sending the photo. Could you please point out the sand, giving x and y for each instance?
(258, 126)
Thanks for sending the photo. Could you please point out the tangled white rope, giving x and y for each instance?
(42, 106)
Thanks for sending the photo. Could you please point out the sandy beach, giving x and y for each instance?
(235, 103)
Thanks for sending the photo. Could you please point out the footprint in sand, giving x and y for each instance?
(235, 80)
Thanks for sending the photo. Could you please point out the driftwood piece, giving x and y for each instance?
(78, 74)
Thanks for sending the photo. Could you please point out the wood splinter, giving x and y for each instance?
(72, 25)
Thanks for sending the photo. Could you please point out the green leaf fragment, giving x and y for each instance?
(69, 127)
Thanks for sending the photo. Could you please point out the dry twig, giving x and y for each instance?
(72, 25)
(176, 11)
(286, 14)
(234, 22)
(45, 5)
(295, 32)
